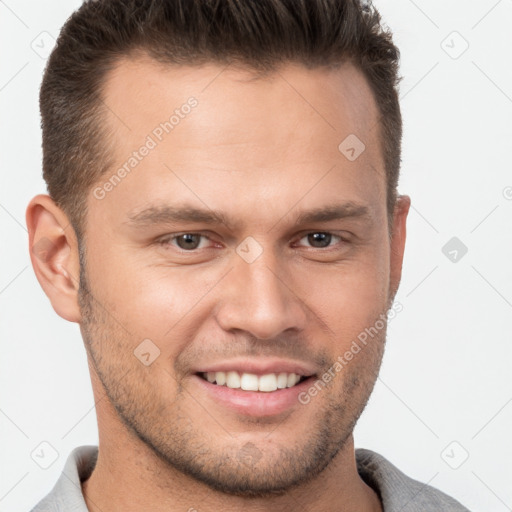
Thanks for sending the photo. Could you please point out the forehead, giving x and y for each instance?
(215, 129)
(143, 91)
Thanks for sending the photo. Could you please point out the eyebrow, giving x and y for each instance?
(334, 212)
(169, 214)
(154, 215)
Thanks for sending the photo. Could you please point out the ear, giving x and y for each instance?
(398, 236)
(54, 254)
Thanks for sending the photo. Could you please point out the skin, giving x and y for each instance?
(261, 152)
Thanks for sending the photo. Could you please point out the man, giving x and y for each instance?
(223, 223)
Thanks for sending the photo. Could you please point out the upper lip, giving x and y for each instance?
(258, 366)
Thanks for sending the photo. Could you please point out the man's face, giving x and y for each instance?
(243, 242)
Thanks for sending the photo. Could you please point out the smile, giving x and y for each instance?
(251, 382)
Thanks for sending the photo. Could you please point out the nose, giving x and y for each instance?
(258, 298)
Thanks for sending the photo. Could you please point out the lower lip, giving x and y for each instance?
(254, 403)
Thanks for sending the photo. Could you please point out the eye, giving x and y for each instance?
(186, 241)
(320, 239)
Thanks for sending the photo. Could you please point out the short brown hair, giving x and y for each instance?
(258, 34)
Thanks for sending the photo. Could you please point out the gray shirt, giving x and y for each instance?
(398, 492)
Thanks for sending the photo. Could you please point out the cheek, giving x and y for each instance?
(163, 303)
(347, 298)
(156, 302)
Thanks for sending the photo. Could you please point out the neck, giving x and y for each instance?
(128, 476)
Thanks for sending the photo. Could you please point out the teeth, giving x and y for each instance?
(282, 380)
(232, 380)
(291, 380)
(220, 378)
(268, 382)
(251, 382)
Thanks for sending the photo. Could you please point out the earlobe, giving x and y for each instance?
(54, 254)
(398, 237)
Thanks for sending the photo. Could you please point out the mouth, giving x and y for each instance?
(254, 387)
(267, 383)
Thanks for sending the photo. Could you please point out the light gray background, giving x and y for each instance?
(445, 390)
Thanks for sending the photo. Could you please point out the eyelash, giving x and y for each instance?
(168, 239)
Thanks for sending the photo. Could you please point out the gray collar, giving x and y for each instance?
(398, 492)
